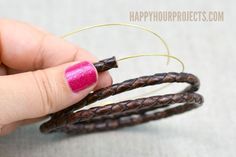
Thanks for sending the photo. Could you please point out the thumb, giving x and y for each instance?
(38, 93)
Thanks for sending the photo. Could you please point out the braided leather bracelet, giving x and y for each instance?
(129, 112)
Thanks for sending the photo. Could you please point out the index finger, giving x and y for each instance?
(24, 47)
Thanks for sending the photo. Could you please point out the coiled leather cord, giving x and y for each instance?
(129, 112)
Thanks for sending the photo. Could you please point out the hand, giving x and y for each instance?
(41, 74)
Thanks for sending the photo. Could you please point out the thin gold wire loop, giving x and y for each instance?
(121, 24)
(136, 55)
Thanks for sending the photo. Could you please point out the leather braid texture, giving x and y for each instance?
(106, 64)
(129, 112)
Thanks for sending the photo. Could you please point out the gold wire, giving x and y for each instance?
(136, 55)
(151, 55)
(121, 24)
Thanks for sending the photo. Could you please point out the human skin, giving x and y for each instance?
(34, 79)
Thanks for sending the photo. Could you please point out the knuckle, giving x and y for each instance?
(47, 91)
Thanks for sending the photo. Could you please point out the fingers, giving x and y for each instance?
(25, 48)
(6, 129)
(35, 94)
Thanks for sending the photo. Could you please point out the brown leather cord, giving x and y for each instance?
(106, 64)
(125, 113)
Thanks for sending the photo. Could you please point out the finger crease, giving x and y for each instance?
(45, 91)
(38, 62)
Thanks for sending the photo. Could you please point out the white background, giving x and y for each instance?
(207, 49)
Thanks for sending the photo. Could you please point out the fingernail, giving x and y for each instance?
(81, 76)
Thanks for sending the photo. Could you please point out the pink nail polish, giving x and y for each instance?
(81, 76)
